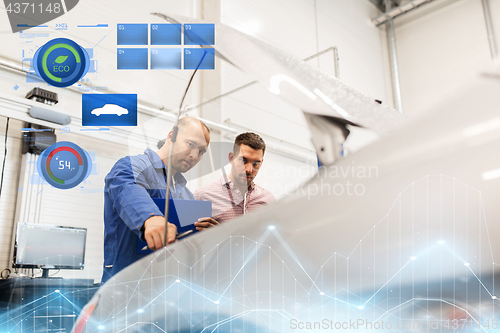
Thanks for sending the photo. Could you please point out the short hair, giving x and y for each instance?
(250, 139)
(187, 120)
(182, 124)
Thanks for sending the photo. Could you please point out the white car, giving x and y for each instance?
(412, 248)
(110, 109)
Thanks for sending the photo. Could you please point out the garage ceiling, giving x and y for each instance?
(380, 4)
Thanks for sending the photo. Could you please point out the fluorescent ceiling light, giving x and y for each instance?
(481, 128)
(488, 175)
(250, 28)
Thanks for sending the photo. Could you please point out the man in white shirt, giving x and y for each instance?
(236, 194)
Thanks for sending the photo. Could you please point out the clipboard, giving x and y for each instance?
(182, 213)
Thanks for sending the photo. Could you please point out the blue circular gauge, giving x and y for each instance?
(61, 62)
(64, 165)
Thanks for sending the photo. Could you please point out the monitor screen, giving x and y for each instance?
(49, 246)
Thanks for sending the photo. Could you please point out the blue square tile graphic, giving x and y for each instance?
(166, 34)
(166, 58)
(132, 34)
(109, 110)
(199, 34)
(132, 58)
(199, 58)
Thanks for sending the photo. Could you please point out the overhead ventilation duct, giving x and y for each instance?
(489, 28)
(399, 10)
(393, 58)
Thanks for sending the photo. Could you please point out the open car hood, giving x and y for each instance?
(412, 242)
(297, 82)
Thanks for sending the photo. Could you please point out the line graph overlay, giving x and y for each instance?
(429, 257)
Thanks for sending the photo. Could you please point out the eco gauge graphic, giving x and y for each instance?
(64, 165)
(61, 62)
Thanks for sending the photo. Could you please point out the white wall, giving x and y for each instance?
(306, 27)
(440, 46)
(303, 28)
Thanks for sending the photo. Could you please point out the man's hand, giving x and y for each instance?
(205, 222)
(154, 232)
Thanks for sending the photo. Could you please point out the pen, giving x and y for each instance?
(179, 236)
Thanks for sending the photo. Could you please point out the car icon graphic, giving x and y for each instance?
(110, 109)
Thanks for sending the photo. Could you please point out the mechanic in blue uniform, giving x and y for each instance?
(130, 212)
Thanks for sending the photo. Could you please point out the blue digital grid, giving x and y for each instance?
(132, 34)
(166, 34)
(199, 34)
(192, 58)
(166, 58)
(132, 58)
